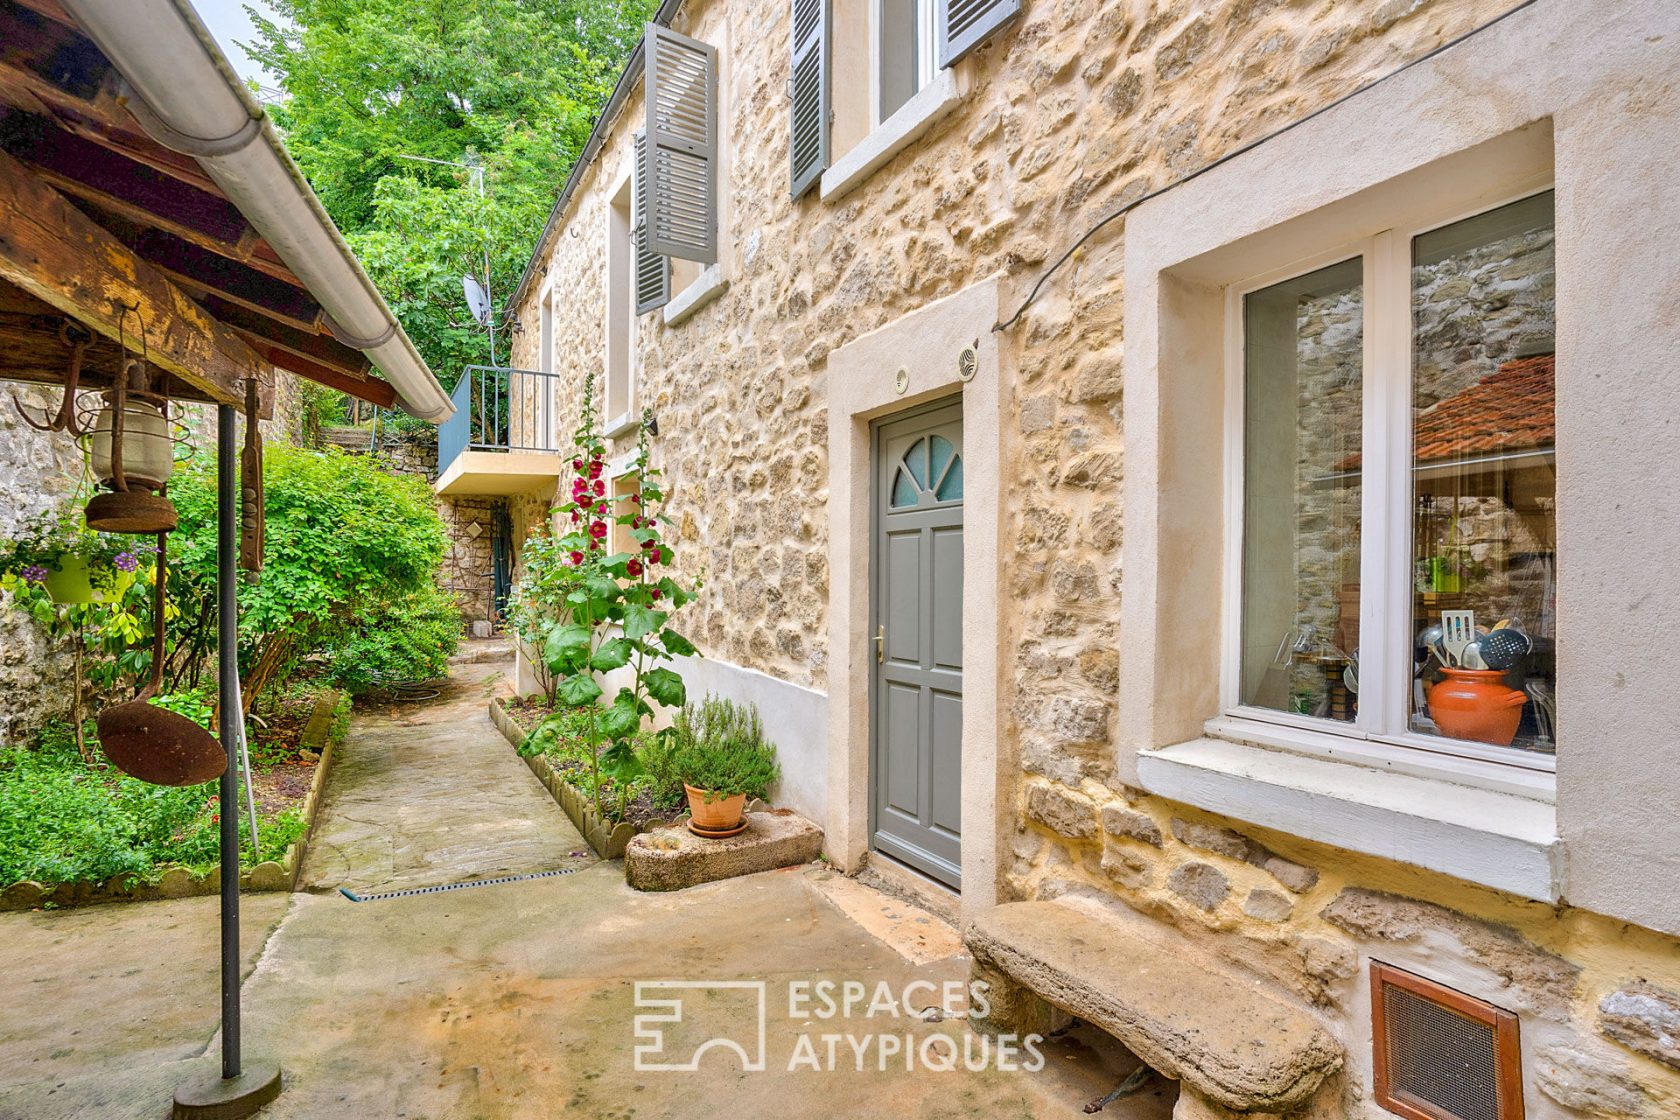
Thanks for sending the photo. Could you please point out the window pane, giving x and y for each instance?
(1303, 371)
(1484, 473)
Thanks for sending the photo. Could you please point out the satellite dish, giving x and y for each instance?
(477, 299)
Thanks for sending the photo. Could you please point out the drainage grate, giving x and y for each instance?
(354, 897)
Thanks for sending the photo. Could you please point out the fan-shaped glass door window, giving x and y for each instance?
(930, 471)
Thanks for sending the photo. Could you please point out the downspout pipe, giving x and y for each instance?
(184, 93)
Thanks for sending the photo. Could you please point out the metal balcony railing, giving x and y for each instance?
(499, 409)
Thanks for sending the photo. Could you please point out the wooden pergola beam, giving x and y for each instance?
(59, 255)
(368, 388)
(319, 348)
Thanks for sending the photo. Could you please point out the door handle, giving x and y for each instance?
(880, 645)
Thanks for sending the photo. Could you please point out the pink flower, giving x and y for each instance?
(656, 557)
(633, 569)
(585, 501)
(597, 529)
(576, 517)
(576, 557)
(600, 487)
(577, 464)
(595, 468)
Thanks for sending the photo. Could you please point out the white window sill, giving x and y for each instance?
(703, 289)
(622, 424)
(932, 102)
(1482, 836)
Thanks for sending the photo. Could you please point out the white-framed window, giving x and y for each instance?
(906, 55)
(1391, 484)
(618, 389)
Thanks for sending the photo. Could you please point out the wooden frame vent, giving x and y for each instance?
(1440, 1054)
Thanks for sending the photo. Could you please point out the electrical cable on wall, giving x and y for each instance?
(1122, 211)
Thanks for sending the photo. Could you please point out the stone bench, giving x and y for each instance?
(1232, 1048)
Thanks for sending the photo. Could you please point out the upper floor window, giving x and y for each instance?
(1397, 502)
(906, 57)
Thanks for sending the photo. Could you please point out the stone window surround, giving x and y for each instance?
(1474, 819)
(931, 104)
(1545, 87)
(860, 390)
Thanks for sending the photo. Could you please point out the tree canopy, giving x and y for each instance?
(511, 86)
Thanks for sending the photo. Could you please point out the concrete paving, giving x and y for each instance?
(515, 1000)
(428, 792)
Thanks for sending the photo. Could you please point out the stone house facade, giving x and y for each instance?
(1113, 748)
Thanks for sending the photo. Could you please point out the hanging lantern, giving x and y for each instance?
(133, 455)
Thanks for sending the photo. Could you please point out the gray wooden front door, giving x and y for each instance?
(916, 760)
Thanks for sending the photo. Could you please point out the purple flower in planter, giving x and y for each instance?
(126, 561)
(34, 573)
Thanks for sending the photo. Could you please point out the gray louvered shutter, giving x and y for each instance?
(809, 92)
(679, 81)
(965, 24)
(653, 272)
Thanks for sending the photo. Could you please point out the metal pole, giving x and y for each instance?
(232, 725)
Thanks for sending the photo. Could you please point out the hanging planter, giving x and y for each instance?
(71, 581)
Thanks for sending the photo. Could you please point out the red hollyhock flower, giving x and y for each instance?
(655, 593)
(637, 497)
(634, 569)
(597, 529)
(585, 501)
(577, 557)
(576, 517)
(577, 464)
(595, 468)
(647, 544)
(656, 557)
(600, 487)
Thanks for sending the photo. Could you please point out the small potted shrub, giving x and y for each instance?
(717, 752)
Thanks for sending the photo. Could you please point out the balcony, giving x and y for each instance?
(501, 440)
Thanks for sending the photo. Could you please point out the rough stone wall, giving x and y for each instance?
(38, 472)
(1077, 108)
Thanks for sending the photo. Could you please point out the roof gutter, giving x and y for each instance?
(627, 79)
(183, 92)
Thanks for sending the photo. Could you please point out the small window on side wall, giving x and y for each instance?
(1399, 481)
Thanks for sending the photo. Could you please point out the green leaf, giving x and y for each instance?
(619, 759)
(640, 621)
(666, 687)
(579, 690)
(613, 654)
(621, 720)
(676, 643)
(566, 648)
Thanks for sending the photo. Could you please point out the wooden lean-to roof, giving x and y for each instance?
(104, 229)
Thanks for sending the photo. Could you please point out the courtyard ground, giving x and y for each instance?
(513, 1000)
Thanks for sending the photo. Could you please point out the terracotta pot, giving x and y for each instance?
(718, 814)
(1474, 704)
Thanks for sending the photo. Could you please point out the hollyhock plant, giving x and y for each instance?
(615, 612)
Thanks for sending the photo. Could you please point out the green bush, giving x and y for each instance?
(62, 822)
(352, 560)
(406, 639)
(716, 745)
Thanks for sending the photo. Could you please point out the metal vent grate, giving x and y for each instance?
(1440, 1054)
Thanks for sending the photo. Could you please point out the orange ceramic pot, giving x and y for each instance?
(717, 815)
(1474, 704)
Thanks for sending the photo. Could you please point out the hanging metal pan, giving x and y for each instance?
(151, 743)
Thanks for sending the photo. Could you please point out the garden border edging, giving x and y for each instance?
(608, 843)
(178, 882)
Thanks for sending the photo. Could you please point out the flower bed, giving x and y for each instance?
(73, 832)
(559, 770)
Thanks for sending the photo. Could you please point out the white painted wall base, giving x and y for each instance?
(795, 719)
